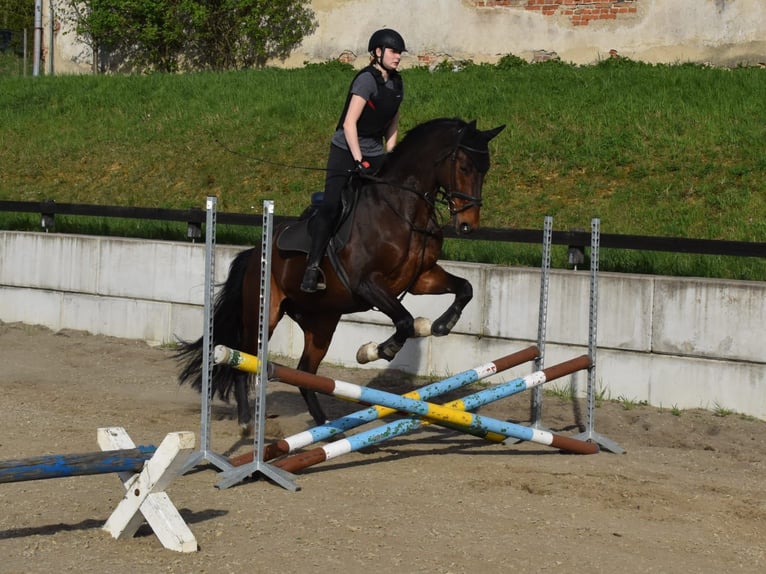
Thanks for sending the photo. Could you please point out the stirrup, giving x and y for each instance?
(313, 280)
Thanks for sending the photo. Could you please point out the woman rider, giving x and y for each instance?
(367, 129)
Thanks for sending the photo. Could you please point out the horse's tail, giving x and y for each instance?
(227, 330)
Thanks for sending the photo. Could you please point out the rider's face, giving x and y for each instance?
(391, 58)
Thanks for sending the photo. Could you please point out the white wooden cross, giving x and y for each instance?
(145, 496)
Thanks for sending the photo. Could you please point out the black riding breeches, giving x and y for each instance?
(340, 167)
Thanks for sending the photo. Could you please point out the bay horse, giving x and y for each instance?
(387, 245)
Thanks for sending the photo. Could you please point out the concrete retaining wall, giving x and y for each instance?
(672, 342)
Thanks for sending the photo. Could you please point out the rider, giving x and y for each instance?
(367, 129)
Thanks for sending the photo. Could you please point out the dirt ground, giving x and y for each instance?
(688, 495)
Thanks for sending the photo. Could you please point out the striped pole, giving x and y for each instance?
(466, 421)
(373, 436)
(332, 428)
(63, 465)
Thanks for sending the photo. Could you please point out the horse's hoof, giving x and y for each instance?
(422, 327)
(246, 430)
(442, 328)
(367, 353)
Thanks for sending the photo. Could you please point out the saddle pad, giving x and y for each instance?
(295, 237)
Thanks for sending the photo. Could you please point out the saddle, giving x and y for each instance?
(295, 236)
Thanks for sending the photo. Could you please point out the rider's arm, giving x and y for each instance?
(392, 132)
(355, 108)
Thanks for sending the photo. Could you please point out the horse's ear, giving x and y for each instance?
(489, 134)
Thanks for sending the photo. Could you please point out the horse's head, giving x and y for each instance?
(456, 157)
(466, 167)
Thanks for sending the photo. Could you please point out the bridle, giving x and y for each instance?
(444, 195)
(449, 195)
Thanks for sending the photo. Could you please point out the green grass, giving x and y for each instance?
(650, 150)
(630, 404)
(720, 411)
(12, 64)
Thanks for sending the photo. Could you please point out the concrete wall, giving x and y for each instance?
(682, 343)
(723, 32)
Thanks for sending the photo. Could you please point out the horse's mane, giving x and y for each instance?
(411, 147)
(414, 135)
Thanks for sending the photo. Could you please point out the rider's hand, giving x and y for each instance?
(363, 168)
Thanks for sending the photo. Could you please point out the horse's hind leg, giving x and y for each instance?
(244, 414)
(317, 336)
(315, 409)
(251, 326)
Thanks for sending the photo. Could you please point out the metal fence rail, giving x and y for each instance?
(195, 217)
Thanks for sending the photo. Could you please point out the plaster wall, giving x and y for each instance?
(721, 32)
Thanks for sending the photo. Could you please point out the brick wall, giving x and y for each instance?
(579, 12)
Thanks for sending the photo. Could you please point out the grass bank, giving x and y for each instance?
(651, 150)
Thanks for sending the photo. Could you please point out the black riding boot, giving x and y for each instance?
(313, 279)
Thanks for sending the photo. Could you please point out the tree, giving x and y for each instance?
(247, 33)
(16, 16)
(171, 35)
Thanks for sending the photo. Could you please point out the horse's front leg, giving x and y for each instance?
(436, 281)
(404, 324)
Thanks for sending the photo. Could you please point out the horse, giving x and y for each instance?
(386, 246)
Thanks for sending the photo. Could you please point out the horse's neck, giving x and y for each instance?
(405, 209)
(413, 180)
(411, 194)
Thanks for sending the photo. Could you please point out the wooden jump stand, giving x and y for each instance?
(145, 473)
(145, 496)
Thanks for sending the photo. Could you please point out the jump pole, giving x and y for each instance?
(425, 409)
(145, 472)
(348, 422)
(82, 464)
(394, 429)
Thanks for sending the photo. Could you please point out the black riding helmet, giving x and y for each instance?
(386, 38)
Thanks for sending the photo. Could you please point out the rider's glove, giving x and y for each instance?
(363, 168)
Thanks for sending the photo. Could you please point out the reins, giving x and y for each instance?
(445, 196)
(266, 161)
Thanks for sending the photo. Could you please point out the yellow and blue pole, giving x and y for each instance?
(326, 431)
(468, 422)
(373, 436)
